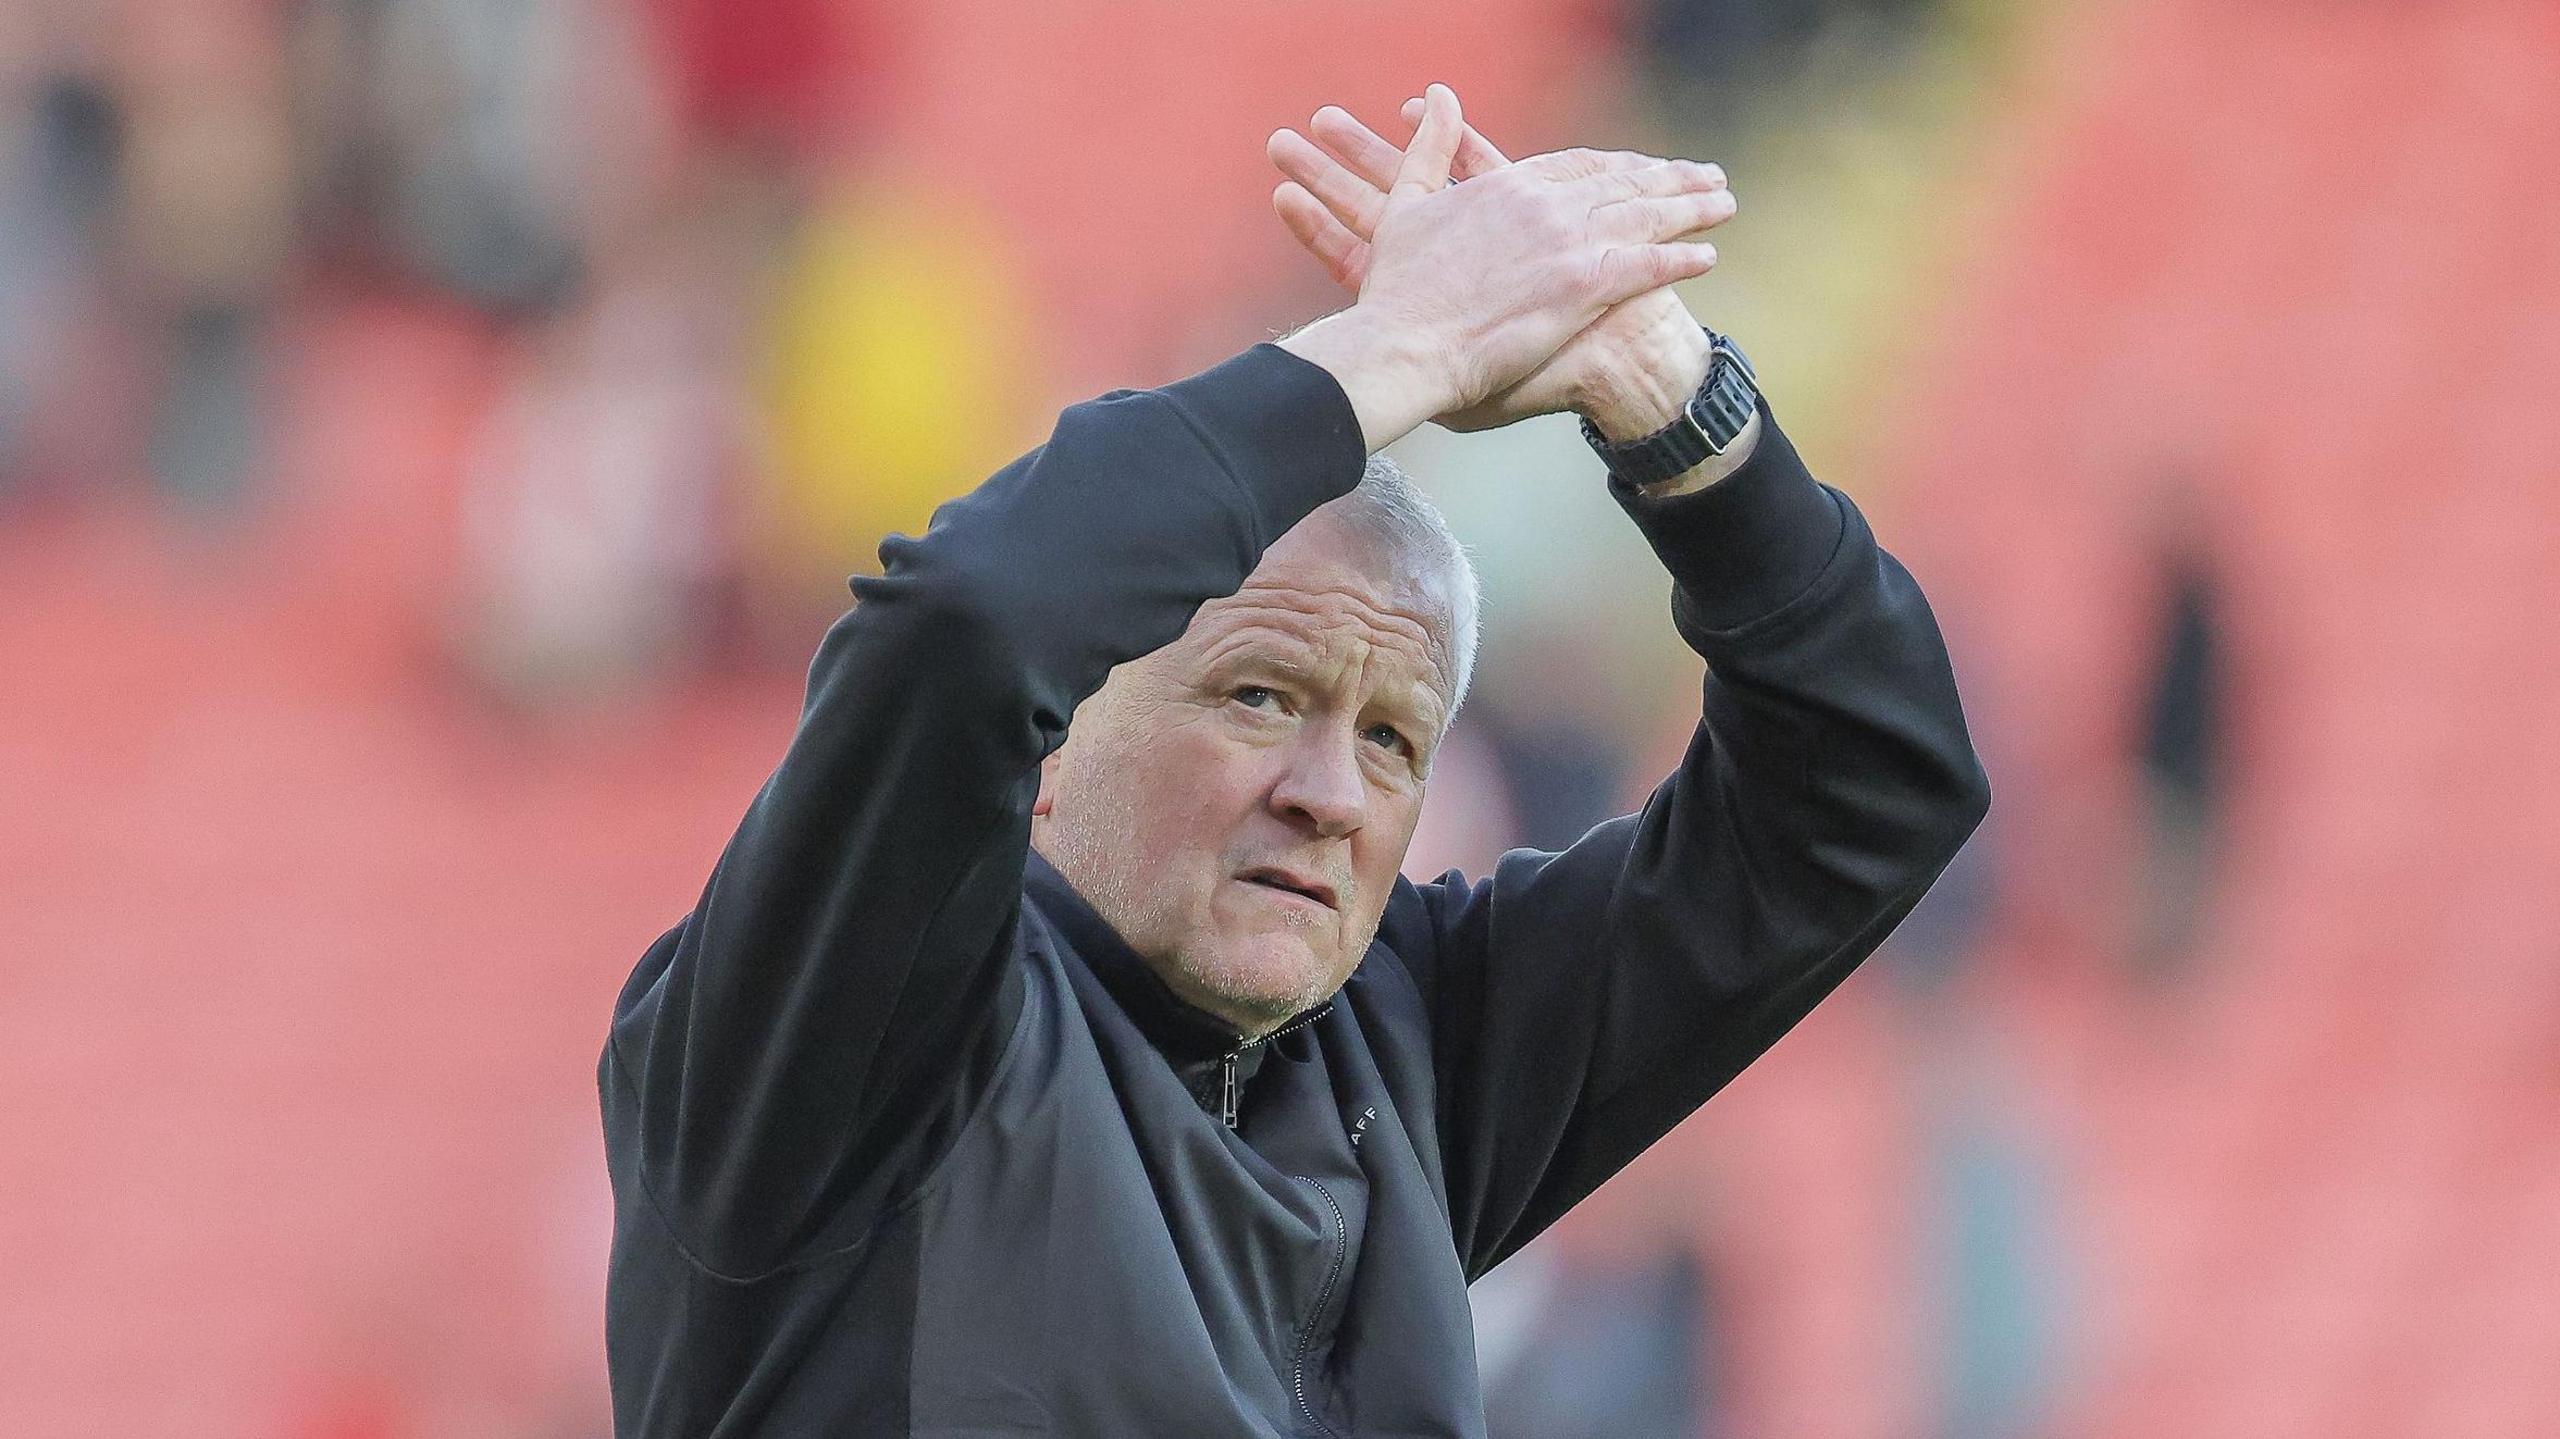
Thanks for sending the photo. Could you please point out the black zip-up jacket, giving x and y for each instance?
(904, 1140)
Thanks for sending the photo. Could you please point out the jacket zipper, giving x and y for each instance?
(1229, 1101)
(1324, 1296)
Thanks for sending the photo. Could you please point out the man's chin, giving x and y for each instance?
(1260, 981)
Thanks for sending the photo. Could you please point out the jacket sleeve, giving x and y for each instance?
(1583, 1003)
(781, 1059)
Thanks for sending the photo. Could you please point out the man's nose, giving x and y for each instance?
(1321, 786)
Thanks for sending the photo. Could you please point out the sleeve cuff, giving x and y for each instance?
(1283, 429)
(1745, 546)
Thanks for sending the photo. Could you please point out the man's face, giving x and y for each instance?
(1238, 803)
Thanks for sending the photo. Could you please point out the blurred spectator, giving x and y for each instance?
(1992, 1299)
(1564, 774)
(454, 133)
(1986, 1217)
(206, 223)
(894, 376)
(1583, 1351)
(1712, 58)
(2184, 755)
(775, 80)
(603, 505)
(59, 153)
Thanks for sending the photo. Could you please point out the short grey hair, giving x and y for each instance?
(1389, 507)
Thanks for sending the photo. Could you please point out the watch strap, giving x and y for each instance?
(1724, 404)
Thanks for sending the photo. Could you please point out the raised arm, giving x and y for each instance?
(1585, 1002)
(1582, 1003)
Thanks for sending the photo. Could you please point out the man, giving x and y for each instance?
(1015, 1076)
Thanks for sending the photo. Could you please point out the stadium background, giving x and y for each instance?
(432, 436)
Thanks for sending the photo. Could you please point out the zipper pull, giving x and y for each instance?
(1227, 1089)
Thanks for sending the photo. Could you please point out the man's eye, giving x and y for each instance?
(1254, 696)
(1391, 737)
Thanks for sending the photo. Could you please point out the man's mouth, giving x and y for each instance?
(1289, 881)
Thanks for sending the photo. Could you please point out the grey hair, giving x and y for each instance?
(1389, 507)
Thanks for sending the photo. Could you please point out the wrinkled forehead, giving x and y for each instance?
(1326, 583)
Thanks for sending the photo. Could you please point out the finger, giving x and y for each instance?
(1658, 218)
(1631, 270)
(1345, 255)
(1353, 201)
(1650, 179)
(1476, 154)
(1434, 147)
(1359, 148)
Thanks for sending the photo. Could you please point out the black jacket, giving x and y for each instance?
(905, 1141)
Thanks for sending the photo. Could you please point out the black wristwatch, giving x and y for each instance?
(1724, 404)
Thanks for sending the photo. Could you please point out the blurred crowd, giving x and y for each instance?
(605, 207)
(608, 335)
(721, 346)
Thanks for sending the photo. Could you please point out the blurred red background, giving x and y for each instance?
(433, 437)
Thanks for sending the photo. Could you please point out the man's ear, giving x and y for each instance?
(1048, 796)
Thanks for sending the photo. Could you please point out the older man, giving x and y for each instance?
(1017, 1075)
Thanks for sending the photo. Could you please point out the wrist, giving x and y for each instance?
(1644, 386)
(1393, 376)
(1710, 469)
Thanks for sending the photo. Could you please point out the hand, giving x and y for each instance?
(1629, 371)
(1468, 289)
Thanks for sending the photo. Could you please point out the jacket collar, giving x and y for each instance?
(1195, 1041)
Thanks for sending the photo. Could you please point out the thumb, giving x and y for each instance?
(1476, 154)
(1435, 145)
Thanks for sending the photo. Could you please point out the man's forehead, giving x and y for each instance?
(1322, 576)
(1322, 556)
(1321, 612)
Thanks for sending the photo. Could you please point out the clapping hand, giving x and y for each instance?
(1465, 290)
(1640, 354)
